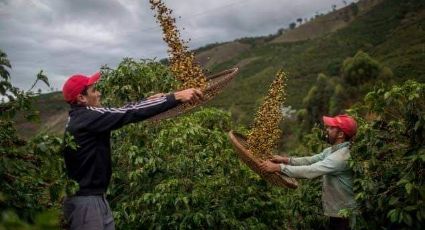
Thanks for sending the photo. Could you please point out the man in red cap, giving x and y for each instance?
(89, 163)
(331, 164)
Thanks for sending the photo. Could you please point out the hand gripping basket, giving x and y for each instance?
(240, 144)
(215, 84)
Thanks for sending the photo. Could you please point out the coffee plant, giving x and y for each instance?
(388, 158)
(183, 173)
(32, 180)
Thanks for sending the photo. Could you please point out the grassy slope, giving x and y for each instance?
(392, 32)
(327, 23)
(53, 115)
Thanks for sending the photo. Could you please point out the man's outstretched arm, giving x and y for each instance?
(104, 119)
(326, 166)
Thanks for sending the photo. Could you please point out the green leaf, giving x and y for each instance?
(410, 208)
(48, 220)
(393, 215)
(407, 219)
(42, 146)
(409, 187)
(393, 201)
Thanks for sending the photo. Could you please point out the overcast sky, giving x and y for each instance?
(64, 37)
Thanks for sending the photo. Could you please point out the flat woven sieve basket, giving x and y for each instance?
(215, 84)
(240, 144)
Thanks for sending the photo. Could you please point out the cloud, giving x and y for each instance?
(64, 37)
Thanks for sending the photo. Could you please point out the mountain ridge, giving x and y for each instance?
(391, 31)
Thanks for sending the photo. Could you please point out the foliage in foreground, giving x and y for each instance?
(389, 158)
(31, 172)
(183, 173)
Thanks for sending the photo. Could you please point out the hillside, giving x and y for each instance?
(53, 115)
(221, 53)
(391, 31)
(325, 24)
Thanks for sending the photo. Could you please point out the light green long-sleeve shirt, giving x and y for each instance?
(332, 164)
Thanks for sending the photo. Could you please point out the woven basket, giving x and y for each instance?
(215, 84)
(240, 144)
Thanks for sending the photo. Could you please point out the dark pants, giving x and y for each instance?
(88, 212)
(337, 223)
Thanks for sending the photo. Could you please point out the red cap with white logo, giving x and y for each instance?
(346, 123)
(76, 84)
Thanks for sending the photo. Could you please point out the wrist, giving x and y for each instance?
(178, 96)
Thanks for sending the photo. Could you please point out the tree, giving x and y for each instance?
(389, 158)
(182, 172)
(354, 8)
(281, 31)
(334, 95)
(360, 74)
(317, 100)
(300, 20)
(292, 25)
(360, 69)
(31, 171)
(4, 64)
(17, 100)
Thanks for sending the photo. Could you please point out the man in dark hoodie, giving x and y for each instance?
(90, 125)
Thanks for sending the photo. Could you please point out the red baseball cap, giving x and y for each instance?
(76, 84)
(346, 123)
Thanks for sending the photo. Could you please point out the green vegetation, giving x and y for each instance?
(333, 95)
(389, 158)
(183, 172)
(32, 179)
(180, 173)
(392, 33)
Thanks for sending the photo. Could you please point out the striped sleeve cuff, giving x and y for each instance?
(171, 97)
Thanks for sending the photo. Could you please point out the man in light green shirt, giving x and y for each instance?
(331, 164)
